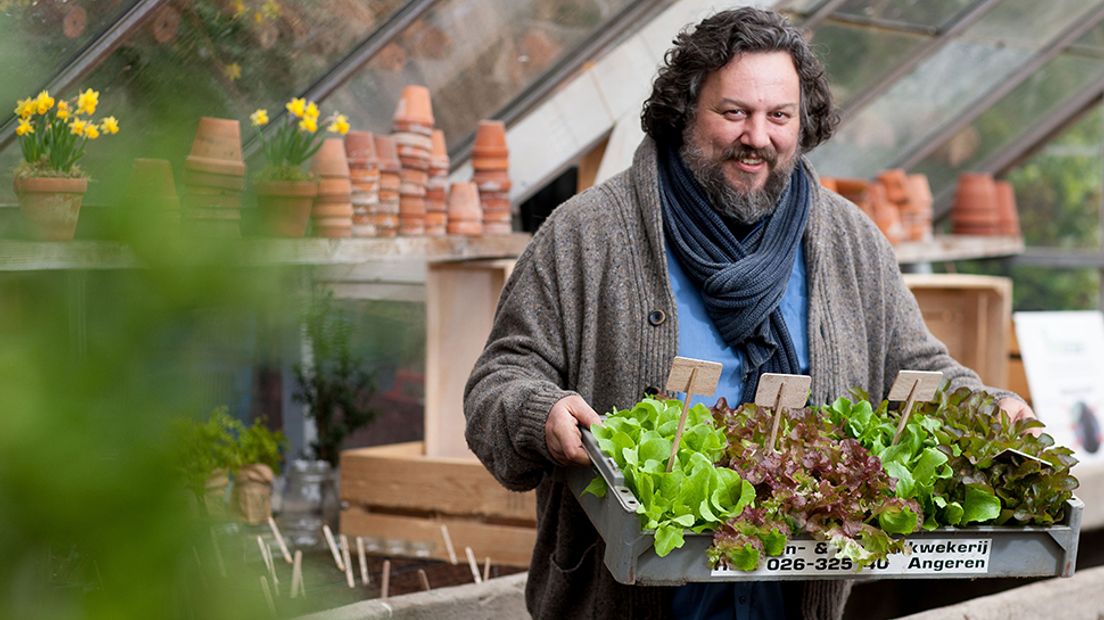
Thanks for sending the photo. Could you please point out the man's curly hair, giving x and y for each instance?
(709, 47)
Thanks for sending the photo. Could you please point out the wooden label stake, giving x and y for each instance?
(692, 377)
(912, 386)
(779, 392)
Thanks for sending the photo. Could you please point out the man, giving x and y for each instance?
(717, 243)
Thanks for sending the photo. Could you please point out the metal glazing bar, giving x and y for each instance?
(602, 38)
(964, 20)
(1050, 124)
(821, 14)
(928, 144)
(878, 23)
(1060, 258)
(354, 61)
(91, 56)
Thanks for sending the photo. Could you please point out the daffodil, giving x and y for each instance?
(77, 127)
(340, 125)
(232, 71)
(26, 107)
(239, 8)
(308, 124)
(311, 111)
(110, 125)
(91, 131)
(296, 107)
(259, 118)
(63, 110)
(271, 9)
(25, 127)
(87, 102)
(44, 102)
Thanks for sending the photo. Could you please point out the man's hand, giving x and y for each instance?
(561, 431)
(1018, 410)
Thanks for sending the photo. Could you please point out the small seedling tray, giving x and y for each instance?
(967, 552)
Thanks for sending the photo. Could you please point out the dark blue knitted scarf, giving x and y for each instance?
(741, 280)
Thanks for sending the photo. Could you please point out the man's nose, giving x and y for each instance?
(755, 133)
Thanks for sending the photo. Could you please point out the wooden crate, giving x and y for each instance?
(971, 315)
(397, 494)
(1017, 376)
(461, 298)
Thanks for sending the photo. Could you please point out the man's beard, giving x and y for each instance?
(746, 207)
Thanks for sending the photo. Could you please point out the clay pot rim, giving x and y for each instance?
(51, 185)
(276, 187)
(228, 167)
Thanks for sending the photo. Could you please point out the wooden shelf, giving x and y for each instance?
(957, 247)
(36, 256)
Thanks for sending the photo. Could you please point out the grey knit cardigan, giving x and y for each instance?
(589, 310)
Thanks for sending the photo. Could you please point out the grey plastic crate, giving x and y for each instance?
(968, 552)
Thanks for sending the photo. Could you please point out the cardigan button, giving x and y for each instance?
(657, 317)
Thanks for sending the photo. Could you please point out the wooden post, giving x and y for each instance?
(297, 573)
(364, 580)
(422, 577)
(448, 544)
(348, 561)
(692, 377)
(473, 565)
(333, 547)
(912, 386)
(487, 568)
(385, 579)
(268, 595)
(779, 392)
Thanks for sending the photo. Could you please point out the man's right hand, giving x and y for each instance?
(561, 431)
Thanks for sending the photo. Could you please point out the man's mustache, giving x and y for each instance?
(740, 151)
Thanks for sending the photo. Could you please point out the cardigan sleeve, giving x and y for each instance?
(519, 375)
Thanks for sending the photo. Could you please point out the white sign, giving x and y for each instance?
(929, 556)
(1063, 355)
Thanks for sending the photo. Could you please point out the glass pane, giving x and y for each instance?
(213, 58)
(932, 13)
(474, 55)
(37, 39)
(1011, 117)
(945, 85)
(1043, 288)
(1058, 190)
(856, 58)
(803, 8)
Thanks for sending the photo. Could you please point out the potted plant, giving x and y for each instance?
(285, 191)
(49, 183)
(208, 450)
(258, 458)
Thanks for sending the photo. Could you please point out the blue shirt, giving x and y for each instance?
(699, 338)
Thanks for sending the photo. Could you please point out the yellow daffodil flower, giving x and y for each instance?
(63, 110)
(311, 111)
(87, 102)
(91, 131)
(26, 108)
(44, 102)
(308, 124)
(232, 71)
(296, 107)
(340, 125)
(110, 125)
(270, 9)
(239, 8)
(77, 127)
(259, 118)
(25, 127)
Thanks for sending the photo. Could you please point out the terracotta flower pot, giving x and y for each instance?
(387, 153)
(253, 488)
(829, 183)
(330, 160)
(414, 105)
(895, 182)
(151, 180)
(490, 139)
(50, 206)
(217, 147)
(438, 152)
(463, 202)
(360, 148)
(1008, 217)
(975, 208)
(285, 206)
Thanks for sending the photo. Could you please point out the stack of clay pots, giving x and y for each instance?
(917, 213)
(214, 177)
(332, 216)
(1008, 219)
(152, 194)
(975, 207)
(386, 216)
(491, 174)
(360, 149)
(412, 130)
(465, 215)
(886, 214)
(437, 187)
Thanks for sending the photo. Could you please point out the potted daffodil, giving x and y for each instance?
(285, 190)
(53, 135)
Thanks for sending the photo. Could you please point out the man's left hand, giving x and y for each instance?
(1017, 410)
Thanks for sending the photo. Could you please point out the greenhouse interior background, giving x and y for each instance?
(106, 347)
